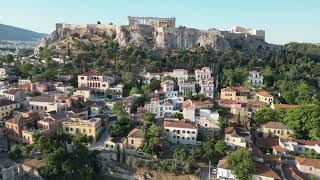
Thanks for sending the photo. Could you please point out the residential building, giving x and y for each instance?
(275, 129)
(91, 127)
(179, 74)
(207, 87)
(44, 87)
(116, 91)
(96, 81)
(135, 139)
(207, 121)
(23, 81)
(299, 145)
(168, 87)
(235, 93)
(255, 78)
(185, 87)
(223, 171)
(28, 134)
(309, 166)
(65, 77)
(265, 97)
(149, 76)
(236, 137)
(207, 103)
(14, 127)
(203, 73)
(161, 108)
(83, 92)
(14, 94)
(51, 122)
(181, 132)
(263, 172)
(3, 73)
(7, 106)
(46, 104)
(115, 143)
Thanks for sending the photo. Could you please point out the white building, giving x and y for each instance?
(255, 78)
(185, 87)
(116, 91)
(207, 87)
(23, 81)
(236, 137)
(299, 145)
(179, 74)
(3, 73)
(46, 104)
(265, 97)
(168, 89)
(181, 132)
(148, 76)
(202, 74)
(161, 108)
(14, 94)
(207, 121)
(95, 81)
(223, 171)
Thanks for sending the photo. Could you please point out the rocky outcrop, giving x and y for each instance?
(148, 36)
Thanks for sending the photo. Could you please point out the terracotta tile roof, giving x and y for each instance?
(12, 91)
(308, 162)
(241, 89)
(91, 73)
(278, 148)
(266, 171)
(229, 101)
(264, 94)
(179, 124)
(272, 159)
(42, 99)
(6, 102)
(291, 172)
(262, 142)
(284, 106)
(307, 142)
(275, 125)
(136, 133)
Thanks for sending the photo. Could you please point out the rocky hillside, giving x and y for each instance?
(147, 36)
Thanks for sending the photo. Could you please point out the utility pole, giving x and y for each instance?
(209, 175)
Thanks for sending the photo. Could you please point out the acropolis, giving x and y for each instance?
(152, 21)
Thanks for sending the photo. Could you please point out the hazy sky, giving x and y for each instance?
(283, 20)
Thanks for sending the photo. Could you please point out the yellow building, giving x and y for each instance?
(84, 92)
(235, 93)
(91, 127)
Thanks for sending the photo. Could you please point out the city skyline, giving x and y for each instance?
(283, 21)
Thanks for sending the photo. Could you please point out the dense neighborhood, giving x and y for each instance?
(131, 112)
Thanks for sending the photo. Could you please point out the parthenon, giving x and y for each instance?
(152, 21)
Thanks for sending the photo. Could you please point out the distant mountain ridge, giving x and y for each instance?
(18, 34)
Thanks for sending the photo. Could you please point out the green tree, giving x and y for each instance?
(304, 120)
(241, 163)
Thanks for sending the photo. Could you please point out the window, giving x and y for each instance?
(167, 130)
(193, 132)
(132, 142)
(205, 125)
(192, 138)
(183, 131)
(178, 137)
(82, 78)
(83, 130)
(71, 129)
(89, 130)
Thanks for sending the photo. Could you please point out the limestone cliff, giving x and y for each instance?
(147, 36)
